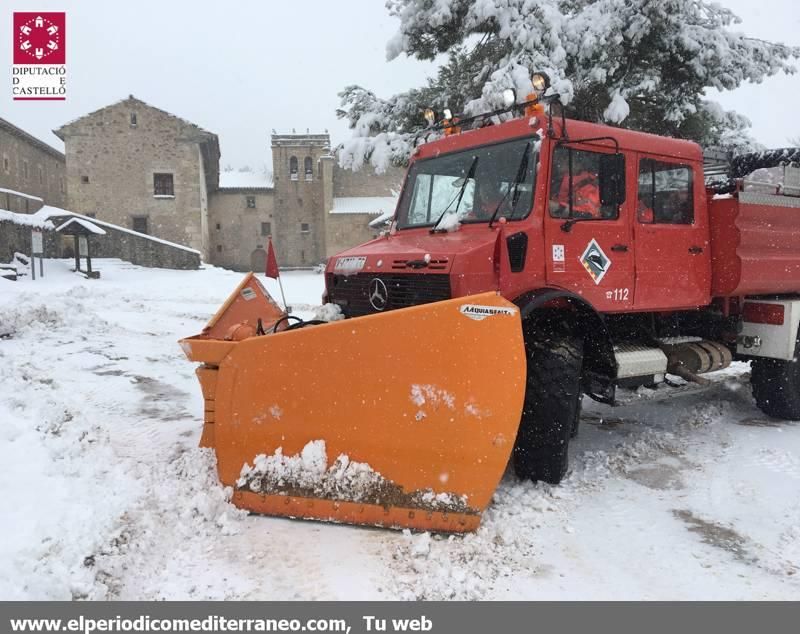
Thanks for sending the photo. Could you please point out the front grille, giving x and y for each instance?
(351, 292)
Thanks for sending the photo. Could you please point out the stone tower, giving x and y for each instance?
(301, 165)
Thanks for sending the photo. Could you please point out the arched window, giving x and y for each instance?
(309, 169)
(293, 168)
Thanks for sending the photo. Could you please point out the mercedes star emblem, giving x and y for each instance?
(378, 294)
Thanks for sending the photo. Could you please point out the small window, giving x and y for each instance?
(218, 226)
(219, 248)
(61, 184)
(25, 170)
(6, 166)
(266, 228)
(575, 186)
(293, 168)
(305, 228)
(665, 193)
(133, 119)
(41, 175)
(309, 168)
(85, 179)
(140, 224)
(251, 202)
(163, 185)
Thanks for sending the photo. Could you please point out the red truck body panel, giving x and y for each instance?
(755, 244)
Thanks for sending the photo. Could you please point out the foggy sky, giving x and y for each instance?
(240, 69)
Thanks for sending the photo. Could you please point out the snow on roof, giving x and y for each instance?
(244, 180)
(26, 220)
(47, 212)
(93, 228)
(21, 194)
(372, 205)
(382, 219)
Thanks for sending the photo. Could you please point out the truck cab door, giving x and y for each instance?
(588, 245)
(673, 259)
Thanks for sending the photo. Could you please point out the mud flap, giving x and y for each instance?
(400, 419)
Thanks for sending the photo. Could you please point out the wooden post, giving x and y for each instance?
(77, 255)
(88, 256)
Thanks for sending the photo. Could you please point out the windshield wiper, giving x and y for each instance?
(523, 167)
(470, 174)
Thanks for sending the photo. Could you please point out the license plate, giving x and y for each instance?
(349, 264)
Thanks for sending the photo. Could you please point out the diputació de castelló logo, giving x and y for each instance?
(40, 55)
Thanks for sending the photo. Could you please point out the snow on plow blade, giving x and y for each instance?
(400, 419)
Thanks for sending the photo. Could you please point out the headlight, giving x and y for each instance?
(540, 81)
(430, 116)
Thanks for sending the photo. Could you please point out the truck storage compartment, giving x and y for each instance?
(755, 244)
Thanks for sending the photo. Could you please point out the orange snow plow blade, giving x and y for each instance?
(400, 419)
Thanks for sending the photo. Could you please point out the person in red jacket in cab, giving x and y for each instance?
(644, 212)
(585, 190)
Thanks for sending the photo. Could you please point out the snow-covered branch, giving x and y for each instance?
(642, 62)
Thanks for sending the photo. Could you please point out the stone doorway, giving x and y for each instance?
(258, 260)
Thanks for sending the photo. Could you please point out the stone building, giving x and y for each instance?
(140, 167)
(31, 172)
(311, 208)
(357, 198)
(241, 217)
(143, 168)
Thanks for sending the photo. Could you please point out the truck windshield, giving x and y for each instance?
(434, 186)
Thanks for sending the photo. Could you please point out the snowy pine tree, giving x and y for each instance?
(645, 62)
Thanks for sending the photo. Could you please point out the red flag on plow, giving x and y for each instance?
(271, 270)
(272, 263)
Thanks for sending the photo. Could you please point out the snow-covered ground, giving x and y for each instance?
(106, 495)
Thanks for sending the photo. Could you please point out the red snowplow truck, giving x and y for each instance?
(623, 263)
(529, 262)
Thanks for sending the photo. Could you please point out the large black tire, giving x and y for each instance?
(776, 387)
(552, 406)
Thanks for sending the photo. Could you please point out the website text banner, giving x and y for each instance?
(358, 618)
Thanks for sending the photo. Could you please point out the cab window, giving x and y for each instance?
(665, 193)
(575, 186)
(473, 185)
(434, 192)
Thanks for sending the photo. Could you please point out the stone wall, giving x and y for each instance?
(345, 231)
(30, 166)
(366, 182)
(236, 230)
(112, 156)
(123, 244)
(13, 238)
(20, 203)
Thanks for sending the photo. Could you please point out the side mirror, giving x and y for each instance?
(612, 179)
